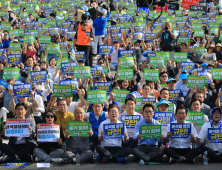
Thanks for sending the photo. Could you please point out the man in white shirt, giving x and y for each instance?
(111, 149)
(130, 104)
(214, 150)
(182, 83)
(180, 148)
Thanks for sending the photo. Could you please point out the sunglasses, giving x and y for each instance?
(50, 116)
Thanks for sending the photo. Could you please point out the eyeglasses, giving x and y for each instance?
(148, 112)
(50, 116)
(20, 109)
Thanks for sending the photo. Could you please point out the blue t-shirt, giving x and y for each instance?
(7, 98)
(167, 35)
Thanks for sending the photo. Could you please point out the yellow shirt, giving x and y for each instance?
(62, 121)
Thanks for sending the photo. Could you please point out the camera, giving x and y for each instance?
(167, 27)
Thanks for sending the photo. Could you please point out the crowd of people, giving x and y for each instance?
(147, 68)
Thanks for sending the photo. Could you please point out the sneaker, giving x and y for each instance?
(37, 159)
(172, 161)
(121, 160)
(57, 160)
(67, 161)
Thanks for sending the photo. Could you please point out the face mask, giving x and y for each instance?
(30, 47)
(21, 40)
(38, 87)
(10, 87)
(137, 48)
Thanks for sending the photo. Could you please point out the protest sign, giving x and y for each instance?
(150, 131)
(96, 71)
(150, 100)
(103, 86)
(156, 61)
(126, 53)
(180, 130)
(60, 61)
(214, 135)
(96, 96)
(15, 46)
(67, 68)
(125, 74)
(48, 132)
(38, 76)
(70, 82)
(120, 95)
(80, 55)
(194, 81)
(174, 95)
(14, 58)
(113, 131)
(180, 56)
(187, 66)
(8, 73)
(217, 73)
(62, 90)
(130, 120)
(164, 117)
(151, 74)
(78, 128)
(197, 117)
(82, 72)
(17, 128)
(126, 62)
(22, 90)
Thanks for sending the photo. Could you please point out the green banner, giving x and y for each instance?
(191, 13)
(52, 23)
(126, 62)
(44, 39)
(29, 38)
(183, 40)
(180, 57)
(96, 96)
(151, 74)
(62, 90)
(216, 73)
(194, 81)
(15, 46)
(125, 74)
(199, 33)
(155, 31)
(61, 60)
(199, 50)
(53, 48)
(214, 30)
(151, 131)
(120, 95)
(197, 27)
(81, 72)
(8, 73)
(105, 70)
(139, 104)
(6, 26)
(36, 32)
(156, 61)
(77, 128)
(197, 117)
(165, 55)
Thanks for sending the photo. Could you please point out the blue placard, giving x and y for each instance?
(25, 20)
(184, 33)
(194, 71)
(42, 47)
(143, 9)
(187, 66)
(27, 69)
(174, 95)
(113, 131)
(130, 120)
(72, 55)
(38, 76)
(22, 90)
(126, 31)
(203, 73)
(80, 56)
(122, 18)
(2, 52)
(214, 135)
(14, 58)
(116, 37)
(164, 117)
(149, 37)
(210, 37)
(180, 130)
(53, 30)
(72, 82)
(137, 35)
(105, 49)
(29, 26)
(103, 86)
(38, 25)
(15, 164)
(115, 30)
(208, 70)
(67, 68)
(150, 100)
(138, 28)
(66, 25)
(63, 45)
(181, 24)
(191, 49)
(3, 84)
(96, 71)
(157, 25)
(125, 53)
(71, 34)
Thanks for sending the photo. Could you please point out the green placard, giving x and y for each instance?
(64, 52)
(214, 30)
(36, 33)
(62, 90)
(183, 39)
(165, 55)
(96, 96)
(53, 48)
(197, 117)
(199, 50)
(52, 23)
(150, 131)
(197, 27)
(105, 70)
(77, 128)
(29, 38)
(155, 31)
(139, 104)
(120, 95)
(61, 60)
(44, 39)
(216, 73)
(126, 62)
(156, 61)
(23, 15)
(170, 108)
(199, 33)
(6, 26)
(194, 81)
(180, 57)
(214, 25)
(81, 72)
(151, 74)
(15, 46)
(8, 73)
(125, 74)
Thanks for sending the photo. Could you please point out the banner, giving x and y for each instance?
(103, 86)
(70, 82)
(82, 72)
(138, 35)
(157, 25)
(80, 55)
(14, 58)
(53, 31)
(150, 131)
(156, 61)
(186, 3)
(113, 131)
(96, 71)
(125, 74)
(115, 30)
(67, 68)
(180, 56)
(151, 74)
(183, 39)
(8, 73)
(199, 50)
(120, 95)
(60, 61)
(53, 48)
(165, 55)
(180, 130)
(204, 74)
(38, 76)
(125, 53)
(96, 96)
(174, 95)
(214, 135)
(187, 66)
(130, 120)
(17, 128)
(62, 90)
(164, 117)
(150, 100)
(71, 34)
(78, 128)
(22, 90)
(15, 46)
(217, 73)
(149, 37)
(194, 81)
(105, 49)
(48, 132)
(197, 117)
(63, 45)
(29, 39)
(126, 62)
(3, 84)
(116, 37)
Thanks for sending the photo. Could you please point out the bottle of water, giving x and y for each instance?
(64, 146)
(141, 162)
(95, 154)
(77, 159)
(205, 158)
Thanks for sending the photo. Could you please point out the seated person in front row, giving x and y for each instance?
(76, 144)
(214, 150)
(180, 148)
(147, 149)
(19, 147)
(111, 149)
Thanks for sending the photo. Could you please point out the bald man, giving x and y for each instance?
(76, 144)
